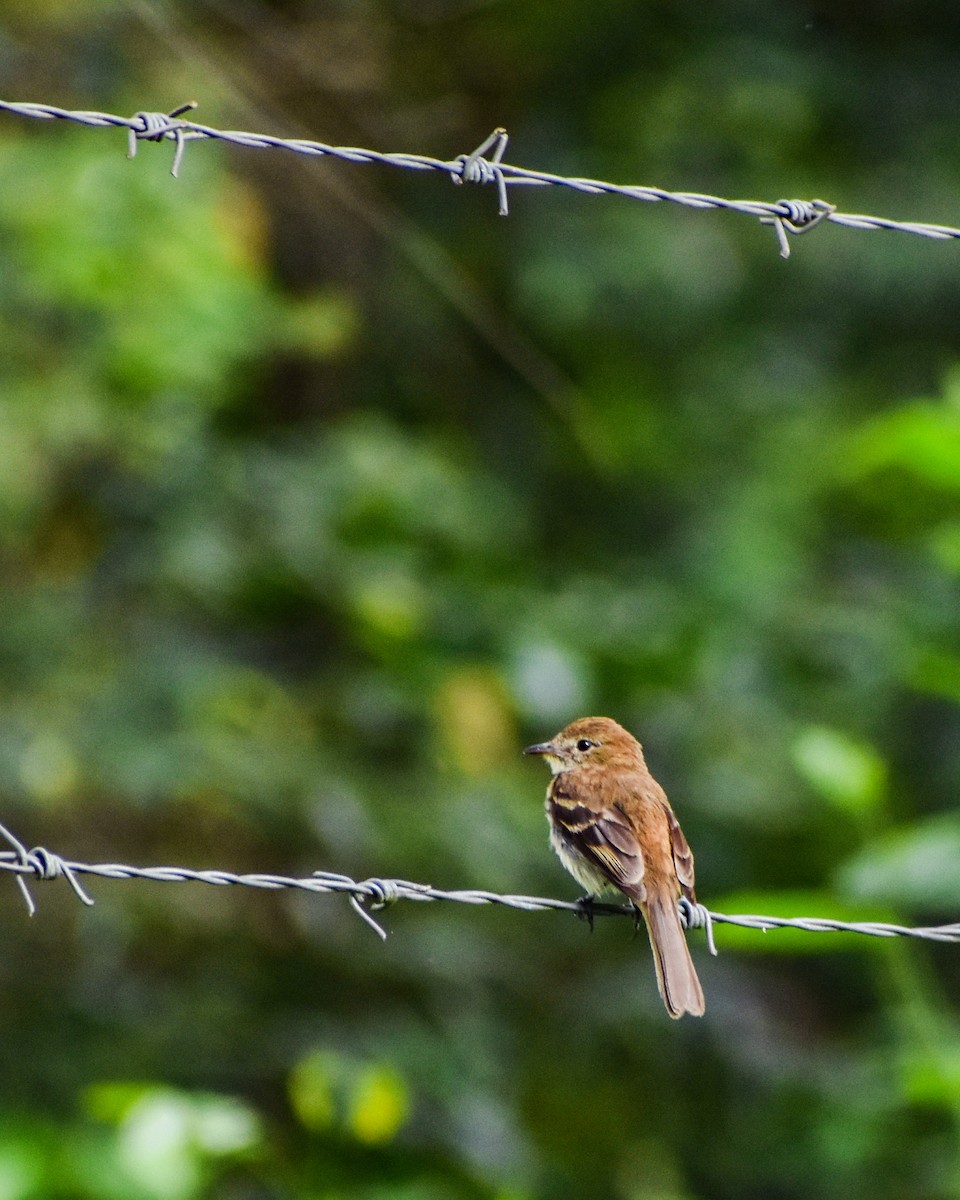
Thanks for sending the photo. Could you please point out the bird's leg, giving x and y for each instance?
(637, 917)
(585, 904)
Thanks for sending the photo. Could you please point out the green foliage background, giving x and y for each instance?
(323, 490)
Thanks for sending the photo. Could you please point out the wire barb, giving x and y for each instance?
(356, 903)
(475, 168)
(380, 893)
(42, 865)
(797, 216)
(154, 127)
(696, 916)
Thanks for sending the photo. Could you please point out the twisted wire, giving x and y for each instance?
(788, 217)
(371, 895)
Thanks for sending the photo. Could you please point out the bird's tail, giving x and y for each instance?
(676, 977)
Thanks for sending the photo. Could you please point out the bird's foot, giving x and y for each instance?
(586, 906)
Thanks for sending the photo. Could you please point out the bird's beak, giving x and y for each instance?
(541, 748)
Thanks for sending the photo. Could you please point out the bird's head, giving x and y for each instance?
(589, 741)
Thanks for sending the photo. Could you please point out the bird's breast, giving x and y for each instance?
(563, 832)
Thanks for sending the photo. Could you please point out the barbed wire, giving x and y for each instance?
(371, 895)
(483, 165)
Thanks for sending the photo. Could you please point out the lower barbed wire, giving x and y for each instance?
(375, 893)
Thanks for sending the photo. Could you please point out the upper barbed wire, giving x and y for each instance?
(786, 216)
(374, 894)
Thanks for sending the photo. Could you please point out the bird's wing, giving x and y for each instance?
(682, 855)
(603, 836)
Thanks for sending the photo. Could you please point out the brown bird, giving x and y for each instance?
(612, 826)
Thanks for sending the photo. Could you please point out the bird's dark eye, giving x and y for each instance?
(584, 745)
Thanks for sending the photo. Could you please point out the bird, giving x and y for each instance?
(612, 826)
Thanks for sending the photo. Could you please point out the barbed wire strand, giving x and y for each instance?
(788, 217)
(371, 895)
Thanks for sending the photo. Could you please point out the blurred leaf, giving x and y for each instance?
(937, 672)
(922, 438)
(48, 769)
(166, 1142)
(166, 1138)
(844, 771)
(474, 720)
(20, 1169)
(945, 546)
(379, 1105)
(112, 1101)
(310, 1091)
(931, 1076)
(370, 1100)
(549, 680)
(917, 867)
(321, 325)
